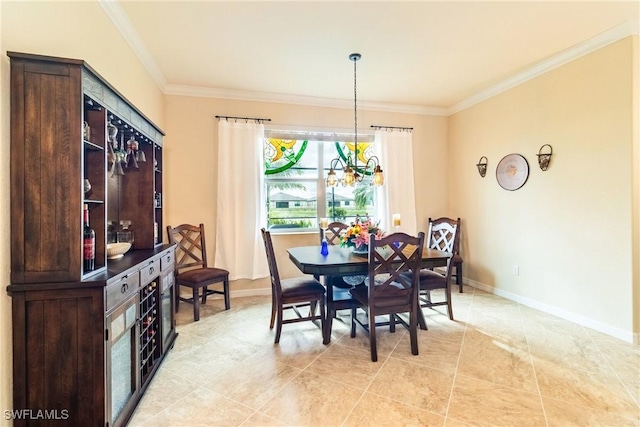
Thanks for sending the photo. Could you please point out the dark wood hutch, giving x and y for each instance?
(85, 343)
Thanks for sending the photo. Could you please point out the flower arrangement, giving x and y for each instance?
(357, 234)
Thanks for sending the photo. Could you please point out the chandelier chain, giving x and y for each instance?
(355, 111)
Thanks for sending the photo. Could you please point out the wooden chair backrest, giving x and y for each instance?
(273, 265)
(444, 234)
(333, 232)
(390, 258)
(191, 251)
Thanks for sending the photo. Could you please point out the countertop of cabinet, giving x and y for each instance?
(131, 260)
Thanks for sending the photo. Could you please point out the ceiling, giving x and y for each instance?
(419, 54)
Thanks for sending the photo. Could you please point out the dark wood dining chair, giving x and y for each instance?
(443, 235)
(333, 234)
(394, 264)
(440, 240)
(292, 294)
(341, 284)
(192, 270)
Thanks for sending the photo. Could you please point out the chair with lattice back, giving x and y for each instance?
(441, 239)
(443, 235)
(192, 270)
(394, 264)
(341, 284)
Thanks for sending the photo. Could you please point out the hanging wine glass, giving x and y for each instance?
(132, 149)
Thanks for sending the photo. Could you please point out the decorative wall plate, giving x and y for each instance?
(512, 172)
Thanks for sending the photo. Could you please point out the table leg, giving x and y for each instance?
(330, 312)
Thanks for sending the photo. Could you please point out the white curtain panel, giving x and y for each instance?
(395, 149)
(241, 198)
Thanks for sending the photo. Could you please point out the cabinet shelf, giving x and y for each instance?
(91, 146)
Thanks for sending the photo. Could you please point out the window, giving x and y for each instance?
(295, 172)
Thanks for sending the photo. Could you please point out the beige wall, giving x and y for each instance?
(73, 30)
(190, 160)
(569, 229)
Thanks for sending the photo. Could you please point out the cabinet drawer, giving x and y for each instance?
(119, 291)
(150, 271)
(167, 260)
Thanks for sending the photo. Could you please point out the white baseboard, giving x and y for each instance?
(261, 292)
(627, 336)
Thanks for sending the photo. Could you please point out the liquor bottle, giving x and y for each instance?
(89, 244)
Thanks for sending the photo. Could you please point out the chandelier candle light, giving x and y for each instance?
(351, 174)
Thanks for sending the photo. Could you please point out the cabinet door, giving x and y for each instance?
(122, 361)
(58, 353)
(167, 309)
(46, 175)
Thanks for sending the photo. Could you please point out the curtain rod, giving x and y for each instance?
(391, 127)
(257, 119)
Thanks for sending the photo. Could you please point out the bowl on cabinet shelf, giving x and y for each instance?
(117, 250)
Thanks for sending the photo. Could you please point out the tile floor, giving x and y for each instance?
(498, 364)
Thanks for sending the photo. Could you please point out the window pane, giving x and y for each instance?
(344, 203)
(290, 158)
(292, 204)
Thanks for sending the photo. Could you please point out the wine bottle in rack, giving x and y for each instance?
(89, 243)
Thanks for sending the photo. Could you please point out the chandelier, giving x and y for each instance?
(351, 172)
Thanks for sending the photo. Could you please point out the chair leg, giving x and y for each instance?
(196, 304)
(413, 331)
(204, 295)
(227, 302)
(392, 323)
(312, 308)
(323, 315)
(372, 336)
(449, 306)
(353, 322)
(279, 324)
(459, 276)
(177, 297)
(273, 310)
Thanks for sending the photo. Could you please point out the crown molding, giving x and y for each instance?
(243, 95)
(616, 33)
(120, 19)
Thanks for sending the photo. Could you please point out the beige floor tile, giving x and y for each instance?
(372, 410)
(432, 352)
(261, 420)
(201, 408)
(481, 403)
(345, 365)
(413, 384)
(591, 389)
(312, 400)
(496, 360)
(164, 390)
(440, 327)
(563, 414)
(254, 381)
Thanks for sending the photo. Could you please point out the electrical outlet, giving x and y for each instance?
(515, 269)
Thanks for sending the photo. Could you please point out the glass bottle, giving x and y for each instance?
(89, 243)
